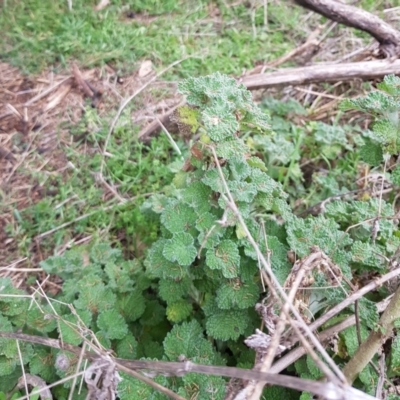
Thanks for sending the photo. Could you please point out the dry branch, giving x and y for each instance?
(326, 390)
(323, 73)
(375, 340)
(354, 17)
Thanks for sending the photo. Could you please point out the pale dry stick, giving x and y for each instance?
(268, 254)
(269, 358)
(295, 354)
(21, 269)
(381, 379)
(339, 378)
(352, 54)
(22, 366)
(374, 284)
(129, 99)
(43, 294)
(328, 96)
(266, 14)
(388, 10)
(78, 367)
(100, 178)
(14, 263)
(375, 340)
(171, 140)
(46, 92)
(285, 309)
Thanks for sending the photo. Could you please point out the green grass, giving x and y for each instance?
(44, 33)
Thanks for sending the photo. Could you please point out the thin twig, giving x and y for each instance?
(295, 354)
(22, 367)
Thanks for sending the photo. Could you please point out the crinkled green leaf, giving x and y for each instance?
(112, 324)
(227, 324)
(242, 190)
(70, 328)
(172, 290)
(220, 122)
(239, 167)
(371, 153)
(368, 313)
(236, 294)
(180, 249)
(153, 314)
(178, 217)
(94, 297)
(41, 320)
(197, 196)
(179, 311)
(158, 266)
(232, 147)
(131, 305)
(7, 365)
(256, 162)
(187, 340)
(390, 85)
(214, 181)
(262, 181)
(202, 387)
(225, 257)
(127, 347)
(320, 231)
(103, 253)
(42, 364)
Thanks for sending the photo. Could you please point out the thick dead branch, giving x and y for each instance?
(375, 340)
(385, 34)
(323, 73)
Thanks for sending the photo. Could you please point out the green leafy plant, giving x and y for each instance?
(193, 295)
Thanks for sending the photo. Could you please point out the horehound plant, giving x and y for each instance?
(225, 234)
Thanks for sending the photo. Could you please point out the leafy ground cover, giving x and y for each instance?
(62, 191)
